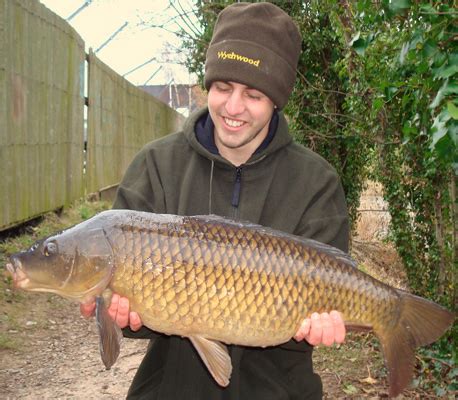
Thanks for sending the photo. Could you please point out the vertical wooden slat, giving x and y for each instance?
(5, 211)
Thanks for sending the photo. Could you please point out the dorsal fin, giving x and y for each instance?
(314, 244)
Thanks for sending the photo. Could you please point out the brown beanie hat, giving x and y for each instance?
(255, 44)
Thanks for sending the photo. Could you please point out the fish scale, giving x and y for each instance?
(219, 281)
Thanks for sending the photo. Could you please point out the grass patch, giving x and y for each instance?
(50, 223)
(8, 343)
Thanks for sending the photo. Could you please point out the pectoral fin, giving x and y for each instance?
(215, 356)
(110, 334)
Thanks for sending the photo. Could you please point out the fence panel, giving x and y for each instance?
(121, 119)
(42, 137)
(41, 106)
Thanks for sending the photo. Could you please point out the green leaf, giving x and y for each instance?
(429, 13)
(445, 71)
(430, 48)
(438, 59)
(360, 46)
(354, 38)
(377, 104)
(390, 92)
(349, 389)
(444, 148)
(400, 3)
(428, 8)
(439, 96)
(398, 6)
(446, 89)
(452, 110)
(440, 392)
(404, 51)
(453, 132)
(405, 100)
(453, 58)
(439, 130)
(451, 88)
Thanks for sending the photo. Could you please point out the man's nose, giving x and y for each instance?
(235, 104)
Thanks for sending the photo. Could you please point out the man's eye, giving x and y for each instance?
(254, 96)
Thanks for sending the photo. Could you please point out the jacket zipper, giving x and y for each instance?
(237, 186)
(236, 193)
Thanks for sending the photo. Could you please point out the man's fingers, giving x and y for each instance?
(339, 326)
(122, 317)
(119, 311)
(87, 310)
(134, 321)
(328, 333)
(316, 330)
(323, 328)
(113, 307)
(303, 330)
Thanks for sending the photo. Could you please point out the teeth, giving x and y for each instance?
(19, 277)
(234, 124)
(10, 268)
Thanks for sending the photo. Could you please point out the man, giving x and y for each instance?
(237, 159)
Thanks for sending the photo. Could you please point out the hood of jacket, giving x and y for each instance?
(280, 139)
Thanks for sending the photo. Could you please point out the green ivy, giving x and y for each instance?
(325, 115)
(404, 57)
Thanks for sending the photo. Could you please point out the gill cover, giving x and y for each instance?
(91, 257)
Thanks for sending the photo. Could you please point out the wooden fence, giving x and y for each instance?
(121, 120)
(43, 162)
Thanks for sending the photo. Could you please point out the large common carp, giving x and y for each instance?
(218, 281)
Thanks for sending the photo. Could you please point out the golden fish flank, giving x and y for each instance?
(218, 281)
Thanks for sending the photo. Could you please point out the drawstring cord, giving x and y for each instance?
(211, 188)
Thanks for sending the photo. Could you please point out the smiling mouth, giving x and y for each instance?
(233, 123)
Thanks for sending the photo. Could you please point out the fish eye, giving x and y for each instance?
(49, 249)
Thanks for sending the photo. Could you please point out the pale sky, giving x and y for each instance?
(138, 42)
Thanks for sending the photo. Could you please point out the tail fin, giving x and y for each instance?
(420, 322)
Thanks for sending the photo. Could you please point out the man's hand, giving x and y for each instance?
(324, 328)
(119, 311)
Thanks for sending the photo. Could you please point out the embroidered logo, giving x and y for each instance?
(238, 57)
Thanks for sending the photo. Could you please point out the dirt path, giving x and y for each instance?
(57, 357)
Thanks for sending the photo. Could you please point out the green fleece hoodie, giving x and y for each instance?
(286, 187)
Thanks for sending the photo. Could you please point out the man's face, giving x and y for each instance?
(241, 116)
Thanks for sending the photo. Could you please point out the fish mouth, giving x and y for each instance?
(20, 279)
